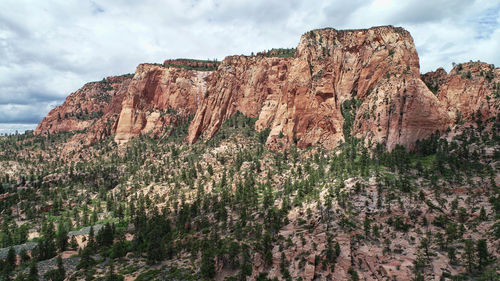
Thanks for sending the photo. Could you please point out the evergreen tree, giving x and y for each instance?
(60, 267)
(367, 226)
(91, 240)
(246, 265)
(119, 249)
(62, 238)
(58, 274)
(354, 274)
(105, 236)
(33, 273)
(24, 256)
(111, 275)
(207, 268)
(482, 214)
(452, 255)
(268, 248)
(482, 253)
(73, 244)
(469, 255)
(11, 260)
(233, 252)
(85, 259)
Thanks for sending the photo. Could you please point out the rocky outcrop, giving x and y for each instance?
(93, 109)
(434, 78)
(244, 84)
(156, 96)
(152, 100)
(301, 99)
(362, 83)
(469, 92)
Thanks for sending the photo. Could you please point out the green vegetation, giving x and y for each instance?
(186, 212)
(193, 64)
(281, 52)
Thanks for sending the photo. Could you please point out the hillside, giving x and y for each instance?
(336, 160)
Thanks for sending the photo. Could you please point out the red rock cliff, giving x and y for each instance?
(301, 97)
(364, 83)
(468, 91)
(93, 108)
(152, 92)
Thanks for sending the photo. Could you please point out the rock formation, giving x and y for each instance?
(154, 91)
(301, 98)
(92, 109)
(250, 85)
(363, 83)
(468, 91)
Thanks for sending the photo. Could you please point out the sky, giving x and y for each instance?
(50, 48)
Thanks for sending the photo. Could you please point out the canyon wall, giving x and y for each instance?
(362, 83)
(301, 99)
(156, 97)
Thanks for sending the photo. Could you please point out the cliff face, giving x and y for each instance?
(245, 84)
(94, 108)
(364, 83)
(154, 95)
(301, 99)
(468, 91)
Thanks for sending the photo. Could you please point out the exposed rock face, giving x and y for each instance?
(364, 83)
(301, 98)
(244, 84)
(435, 78)
(153, 90)
(468, 91)
(94, 108)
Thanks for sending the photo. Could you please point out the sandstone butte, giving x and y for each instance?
(303, 99)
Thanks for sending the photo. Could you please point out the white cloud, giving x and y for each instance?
(12, 128)
(49, 49)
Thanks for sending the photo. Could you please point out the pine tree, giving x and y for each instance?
(482, 214)
(111, 275)
(452, 255)
(234, 250)
(85, 259)
(62, 237)
(482, 253)
(367, 226)
(60, 267)
(73, 244)
(207, 268)
(469, 254)
(58, 274)
(91, 240)
(105, 236)
(119, 249)
(267, 247)
(337, 249)
(246, 265)
(331, 253)
(11, 260)
(425, 245)
(354, 274)
(33, 273)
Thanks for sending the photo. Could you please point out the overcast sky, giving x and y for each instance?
(49, 49)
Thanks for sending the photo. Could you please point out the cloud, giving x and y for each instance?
(12, 128)
(49, 49)
(24, 113)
